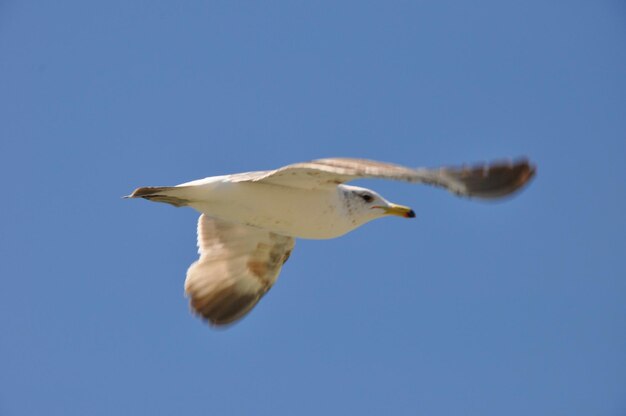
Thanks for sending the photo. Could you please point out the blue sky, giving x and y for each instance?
(472, 308)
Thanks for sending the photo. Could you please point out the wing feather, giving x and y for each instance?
(238, 264)
(482, 180)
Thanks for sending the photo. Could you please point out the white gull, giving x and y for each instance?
(249, 221)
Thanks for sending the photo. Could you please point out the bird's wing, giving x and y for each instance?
(237, 266)
(481, 180)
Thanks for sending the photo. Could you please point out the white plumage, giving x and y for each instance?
(249, 220)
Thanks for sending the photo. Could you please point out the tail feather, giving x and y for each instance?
(165, 194)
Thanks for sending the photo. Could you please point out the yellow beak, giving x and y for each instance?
(399, 210)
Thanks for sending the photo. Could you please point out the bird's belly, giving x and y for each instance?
(312, 214)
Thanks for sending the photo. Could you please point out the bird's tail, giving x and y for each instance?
(173, 195)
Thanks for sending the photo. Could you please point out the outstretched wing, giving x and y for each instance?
(237, 266)
(482, 180)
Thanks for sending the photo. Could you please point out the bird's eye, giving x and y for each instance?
(367, 198)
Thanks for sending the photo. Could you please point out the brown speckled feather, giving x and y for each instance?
(237, 266)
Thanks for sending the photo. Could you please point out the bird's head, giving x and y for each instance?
(365, 205)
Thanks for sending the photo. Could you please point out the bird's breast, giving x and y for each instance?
(302, 213)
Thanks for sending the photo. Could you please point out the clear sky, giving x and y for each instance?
(512, 308)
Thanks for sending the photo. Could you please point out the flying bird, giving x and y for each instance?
(249, 221)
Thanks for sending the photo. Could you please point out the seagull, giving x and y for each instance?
(249, 221)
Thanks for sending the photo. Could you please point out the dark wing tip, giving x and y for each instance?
(223, 307)
(526, 171)
(497, 179)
